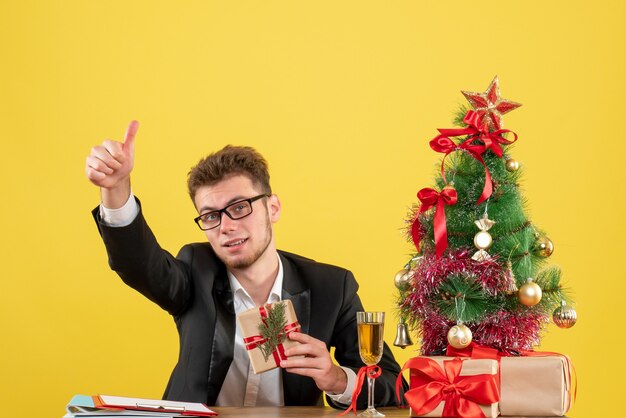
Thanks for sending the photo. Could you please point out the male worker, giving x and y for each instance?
(207, 284)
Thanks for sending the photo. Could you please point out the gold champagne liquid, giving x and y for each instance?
(371, 342)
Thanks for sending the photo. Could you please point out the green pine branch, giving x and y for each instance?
(513, 234)
(461, 298)
(271, 329)
(549, 280)
(459, 115)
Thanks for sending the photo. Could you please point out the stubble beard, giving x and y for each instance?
(242, 263)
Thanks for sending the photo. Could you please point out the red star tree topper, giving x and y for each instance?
(490, 105)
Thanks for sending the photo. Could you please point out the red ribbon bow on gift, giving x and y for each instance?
(257, 340)
(429, 198)
(431, 385)
(490, 140)
(371, 371)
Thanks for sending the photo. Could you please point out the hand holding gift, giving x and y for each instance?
(311, 358)
(272, 338)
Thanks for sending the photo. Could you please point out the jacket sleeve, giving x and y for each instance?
(345, 340)
(135, 255)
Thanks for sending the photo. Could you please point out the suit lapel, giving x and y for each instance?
(295, 289)
(224, 337)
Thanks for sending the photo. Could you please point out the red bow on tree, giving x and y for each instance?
(476, 131)
(431, 385)
(429, 198)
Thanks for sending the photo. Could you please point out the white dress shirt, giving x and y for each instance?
(241, 386)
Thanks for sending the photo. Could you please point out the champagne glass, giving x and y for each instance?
(370, 327)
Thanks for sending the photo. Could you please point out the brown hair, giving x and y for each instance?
(230, 160)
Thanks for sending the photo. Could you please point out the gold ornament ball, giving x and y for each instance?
(459, 336)
(564, 316)
(529, 294)
(483, 240)
(511, 165)
(403, 279)
(543, 246)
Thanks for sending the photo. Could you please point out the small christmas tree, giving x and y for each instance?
(479, 271)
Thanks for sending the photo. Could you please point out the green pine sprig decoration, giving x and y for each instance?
(461, 298)
(271, 329)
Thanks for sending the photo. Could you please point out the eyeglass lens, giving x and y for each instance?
(235, 211)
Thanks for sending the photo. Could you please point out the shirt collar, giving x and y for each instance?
(241, 297)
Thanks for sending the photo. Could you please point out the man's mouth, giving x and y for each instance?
(235, 243)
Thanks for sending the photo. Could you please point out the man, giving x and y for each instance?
(207, 284)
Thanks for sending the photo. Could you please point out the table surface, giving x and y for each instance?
(298, 411)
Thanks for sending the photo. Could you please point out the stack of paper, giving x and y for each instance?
(118, 406)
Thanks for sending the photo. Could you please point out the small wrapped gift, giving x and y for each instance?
(535, 385)
(265, 332)
(452, 387)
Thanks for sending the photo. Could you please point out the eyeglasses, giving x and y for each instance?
(237, 210)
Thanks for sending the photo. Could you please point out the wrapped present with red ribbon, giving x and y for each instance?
(537, 383)
(452, 387)
(265, 331)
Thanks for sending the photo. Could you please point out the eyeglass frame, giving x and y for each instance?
(224, 210)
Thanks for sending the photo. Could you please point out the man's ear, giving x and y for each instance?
(273, 206)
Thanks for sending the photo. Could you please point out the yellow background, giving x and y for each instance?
(342, 98)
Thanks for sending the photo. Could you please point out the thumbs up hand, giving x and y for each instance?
(108, 166)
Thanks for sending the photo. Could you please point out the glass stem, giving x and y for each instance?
(370, 392)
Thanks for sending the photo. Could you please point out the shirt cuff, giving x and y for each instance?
(345, 398)
(123, 216)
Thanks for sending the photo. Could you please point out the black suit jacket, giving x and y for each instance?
(194, 288)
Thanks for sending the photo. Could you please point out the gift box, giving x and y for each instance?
(446, 386)
(265, 331)
(535, 385)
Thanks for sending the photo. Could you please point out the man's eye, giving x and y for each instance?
(210, 217)
(240, 207)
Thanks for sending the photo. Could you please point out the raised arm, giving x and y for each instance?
(133, 251)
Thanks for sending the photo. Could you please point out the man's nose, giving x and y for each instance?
(227, 224)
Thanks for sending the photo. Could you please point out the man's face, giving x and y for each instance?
(243, 242)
